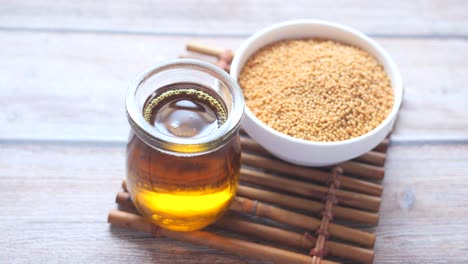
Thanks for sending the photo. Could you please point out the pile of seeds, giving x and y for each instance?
(318, 90)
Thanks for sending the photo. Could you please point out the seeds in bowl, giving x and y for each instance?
(317, 90)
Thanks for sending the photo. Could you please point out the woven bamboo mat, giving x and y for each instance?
(287, 213)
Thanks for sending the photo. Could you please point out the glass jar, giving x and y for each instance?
(183, 154)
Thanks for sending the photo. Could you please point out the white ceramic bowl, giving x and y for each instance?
(310, 153)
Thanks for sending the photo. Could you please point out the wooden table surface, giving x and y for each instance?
(64, 71)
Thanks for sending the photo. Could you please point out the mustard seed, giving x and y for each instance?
(317, 90)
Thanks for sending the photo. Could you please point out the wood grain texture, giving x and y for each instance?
(64, 71)
(56, 196)
(431, 18)
(424, 209)
(72, 86)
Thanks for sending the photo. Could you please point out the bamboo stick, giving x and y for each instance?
(371, 157)
(248, 206)
(300, 204)
(250, 145)
(212, 240)
(196, 57)
(307, 205)
(123, 198)
(310, 174)
(294, 239)
(348, 198)
(383, 146)
(357, 200)
(204, 49)
(363, 170)
(124, 185)
(244, 205)
(277, 235)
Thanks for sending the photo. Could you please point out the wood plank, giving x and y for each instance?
(56, 196)
(424, 205)
(234, 17)
(72, 86)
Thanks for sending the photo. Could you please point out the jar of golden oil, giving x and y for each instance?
(183, 154)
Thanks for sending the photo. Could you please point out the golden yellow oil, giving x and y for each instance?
(183, 211)
(183, 192)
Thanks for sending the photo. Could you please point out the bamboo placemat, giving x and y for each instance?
(300, 214)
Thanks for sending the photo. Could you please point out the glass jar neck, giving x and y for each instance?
(216, 82)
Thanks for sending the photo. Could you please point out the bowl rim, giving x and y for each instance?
(397, 87)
